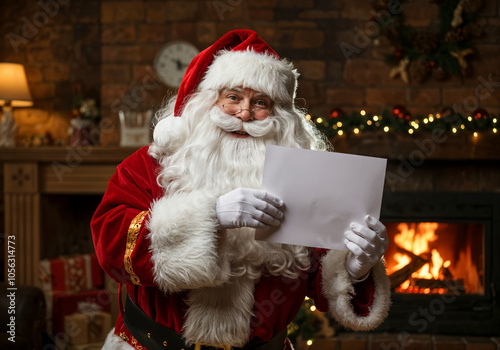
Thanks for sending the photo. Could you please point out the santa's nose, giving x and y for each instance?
(245, 114)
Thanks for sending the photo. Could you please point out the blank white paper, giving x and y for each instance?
(323, 193)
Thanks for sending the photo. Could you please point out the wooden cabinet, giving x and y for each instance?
(29, 174)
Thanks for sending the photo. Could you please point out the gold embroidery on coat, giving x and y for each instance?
(133, 233)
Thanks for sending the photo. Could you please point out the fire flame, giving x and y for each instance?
(414, 241)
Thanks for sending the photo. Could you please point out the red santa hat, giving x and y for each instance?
(239, 58)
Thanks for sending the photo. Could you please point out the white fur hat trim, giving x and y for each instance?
(249, 69)
(169, 131)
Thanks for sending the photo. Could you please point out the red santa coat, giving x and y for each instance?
(123, 246)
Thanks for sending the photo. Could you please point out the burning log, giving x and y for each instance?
(446, 273)
(412, 255)
(416, 263)
(398, 277)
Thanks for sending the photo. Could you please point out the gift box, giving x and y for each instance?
(77, 328)
(99, 325)
(71, 274)
(61, 304)
(88, 327)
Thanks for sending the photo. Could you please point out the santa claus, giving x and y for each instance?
(176, 225)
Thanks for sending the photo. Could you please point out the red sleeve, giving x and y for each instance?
(315, 281)
(364, 291)
(119, 223)
(363, 298)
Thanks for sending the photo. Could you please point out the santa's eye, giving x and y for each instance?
(261, 103)
(232, 98)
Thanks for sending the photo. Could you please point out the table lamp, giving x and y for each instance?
(14, 92)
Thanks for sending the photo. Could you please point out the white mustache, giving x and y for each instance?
(229, 123)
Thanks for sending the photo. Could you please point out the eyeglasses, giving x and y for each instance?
(257, 112)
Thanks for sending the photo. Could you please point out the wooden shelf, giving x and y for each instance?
(70, 155)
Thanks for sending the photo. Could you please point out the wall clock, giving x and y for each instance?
(172, 60)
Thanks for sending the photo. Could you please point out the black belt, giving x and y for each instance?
(155, 336)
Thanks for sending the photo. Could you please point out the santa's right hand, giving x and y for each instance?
(246, 207)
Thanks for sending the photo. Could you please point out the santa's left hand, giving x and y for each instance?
(366, 245)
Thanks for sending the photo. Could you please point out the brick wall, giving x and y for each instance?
(59, 44)
(110, 45)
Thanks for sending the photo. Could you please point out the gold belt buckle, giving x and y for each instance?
(198, 346)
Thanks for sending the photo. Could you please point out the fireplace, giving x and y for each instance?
(436, 257)
(443, 262)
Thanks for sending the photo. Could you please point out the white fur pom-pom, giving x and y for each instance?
(169, 132)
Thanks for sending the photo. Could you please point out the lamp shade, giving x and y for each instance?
(14, 86)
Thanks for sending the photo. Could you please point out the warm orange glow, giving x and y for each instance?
(437, 263)
(416, 241)
(14, 89)
(466, 270)
(420, 251)
(415, 238)
(405, 285)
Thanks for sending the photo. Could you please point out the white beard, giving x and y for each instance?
(213, 161)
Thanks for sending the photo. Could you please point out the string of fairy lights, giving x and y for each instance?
(400, 120)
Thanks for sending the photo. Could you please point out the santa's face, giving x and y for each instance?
(246, 105)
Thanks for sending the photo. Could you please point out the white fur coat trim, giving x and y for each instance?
(184, 239)
(338, 288)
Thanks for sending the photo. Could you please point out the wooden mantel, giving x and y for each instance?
(88, 154)
(433, 146)
(32, 172)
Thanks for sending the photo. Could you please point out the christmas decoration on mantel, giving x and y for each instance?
(437, 52)
(85, 118)
(399, 119)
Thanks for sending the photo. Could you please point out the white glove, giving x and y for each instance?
(250, 208)
(366, 244)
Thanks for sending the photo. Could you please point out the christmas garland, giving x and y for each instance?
(399, 119)
(437, 52)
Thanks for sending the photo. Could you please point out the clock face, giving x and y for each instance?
(172, 61)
